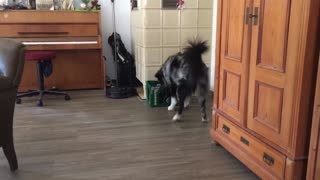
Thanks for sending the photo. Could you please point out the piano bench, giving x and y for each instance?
(40, 57)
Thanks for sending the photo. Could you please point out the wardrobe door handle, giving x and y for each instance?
(244, 141)
(255, 16)
(268, 159)
(226, 129)
(247, 18)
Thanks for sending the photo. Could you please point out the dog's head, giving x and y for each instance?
(159, 75)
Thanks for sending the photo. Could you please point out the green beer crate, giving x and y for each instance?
(156, 96)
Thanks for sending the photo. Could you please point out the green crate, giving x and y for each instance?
(156, 96)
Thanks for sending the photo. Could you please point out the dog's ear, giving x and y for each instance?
(159, 74)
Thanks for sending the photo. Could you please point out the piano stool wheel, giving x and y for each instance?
(18, 101)
(67, 98)
(39, 103)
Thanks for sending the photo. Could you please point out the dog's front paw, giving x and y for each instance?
(204, 120)
(176, 117)
(170, 108)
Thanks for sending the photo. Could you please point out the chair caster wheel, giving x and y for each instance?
(40, 103)
(67, 98)
(18, 101)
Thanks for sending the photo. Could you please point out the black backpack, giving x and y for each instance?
(126, 69)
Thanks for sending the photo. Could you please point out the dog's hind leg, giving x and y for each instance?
(187, 101)
(202, 101)
(202, 94)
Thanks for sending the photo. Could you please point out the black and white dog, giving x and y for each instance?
(184, 74)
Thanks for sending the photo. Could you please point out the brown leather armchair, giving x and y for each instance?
(11, 68)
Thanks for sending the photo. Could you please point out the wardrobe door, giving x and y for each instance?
(270, 92)
(234, 59)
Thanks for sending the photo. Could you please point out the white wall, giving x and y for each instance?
(214, 32)
(123, 21)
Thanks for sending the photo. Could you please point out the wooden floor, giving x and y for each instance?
(92, 137)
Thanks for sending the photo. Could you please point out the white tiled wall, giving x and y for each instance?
(152, 56)
(152, 18)
(189, 18)
(191, 4)
(152, 37)
(150, 4)
(205, 4)
(159, 33)
(205, 18)
(170, 37)
(171, 19)
(169, 51)
(187, 34)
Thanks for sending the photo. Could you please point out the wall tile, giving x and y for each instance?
(207, 57)
(150, 72)
(171, 18)
(205, 34)
(152, 18)
(133, 18)
(152, 56)
(191, 4)
(136, 18)
(167, 52)
(138, 71)
(205, 18)
(140, 19)
(151, 4)
(138, 37)
(133, 36)
(187, 34)
(143, 73)
(189, 18)
(136, 54)
(152, 37)
(206, 4)
(171, 37)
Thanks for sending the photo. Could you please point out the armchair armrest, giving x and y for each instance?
(5, 83)
(11, 62)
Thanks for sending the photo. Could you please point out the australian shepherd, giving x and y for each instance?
(184, 74)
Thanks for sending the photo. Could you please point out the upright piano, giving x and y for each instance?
(74, 36)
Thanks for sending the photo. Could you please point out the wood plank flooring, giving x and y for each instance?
(95, 138)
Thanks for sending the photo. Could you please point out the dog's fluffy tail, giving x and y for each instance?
(197, 47)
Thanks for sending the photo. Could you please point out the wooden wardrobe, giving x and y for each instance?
(264, 83)
(314, 151)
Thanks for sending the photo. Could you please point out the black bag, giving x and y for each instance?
(126, 69)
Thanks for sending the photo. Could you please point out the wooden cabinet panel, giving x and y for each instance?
(234, 59)
(268, 158)
(268, 109)
(265, 73)
(314, 151)
(273, 20)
